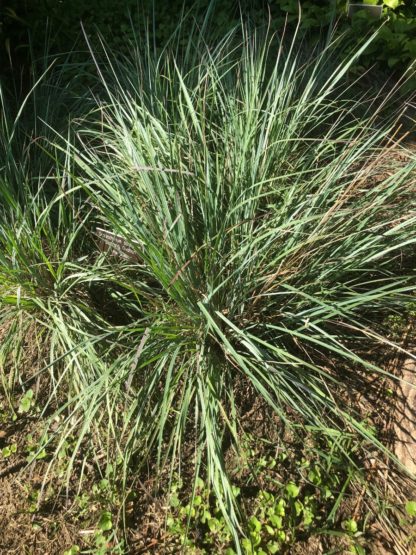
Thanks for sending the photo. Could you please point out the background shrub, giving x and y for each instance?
(31, 25)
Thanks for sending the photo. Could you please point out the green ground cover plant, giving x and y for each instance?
(220, 225)
(286, 507)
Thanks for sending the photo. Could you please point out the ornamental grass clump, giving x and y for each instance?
(272, 231)
(48, 324)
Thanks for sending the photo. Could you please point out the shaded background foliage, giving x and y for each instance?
(26, 26)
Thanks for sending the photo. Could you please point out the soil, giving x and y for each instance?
(39, 517)
(404, 423)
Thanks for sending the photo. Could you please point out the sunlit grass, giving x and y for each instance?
(272, 236)
(270, 247)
